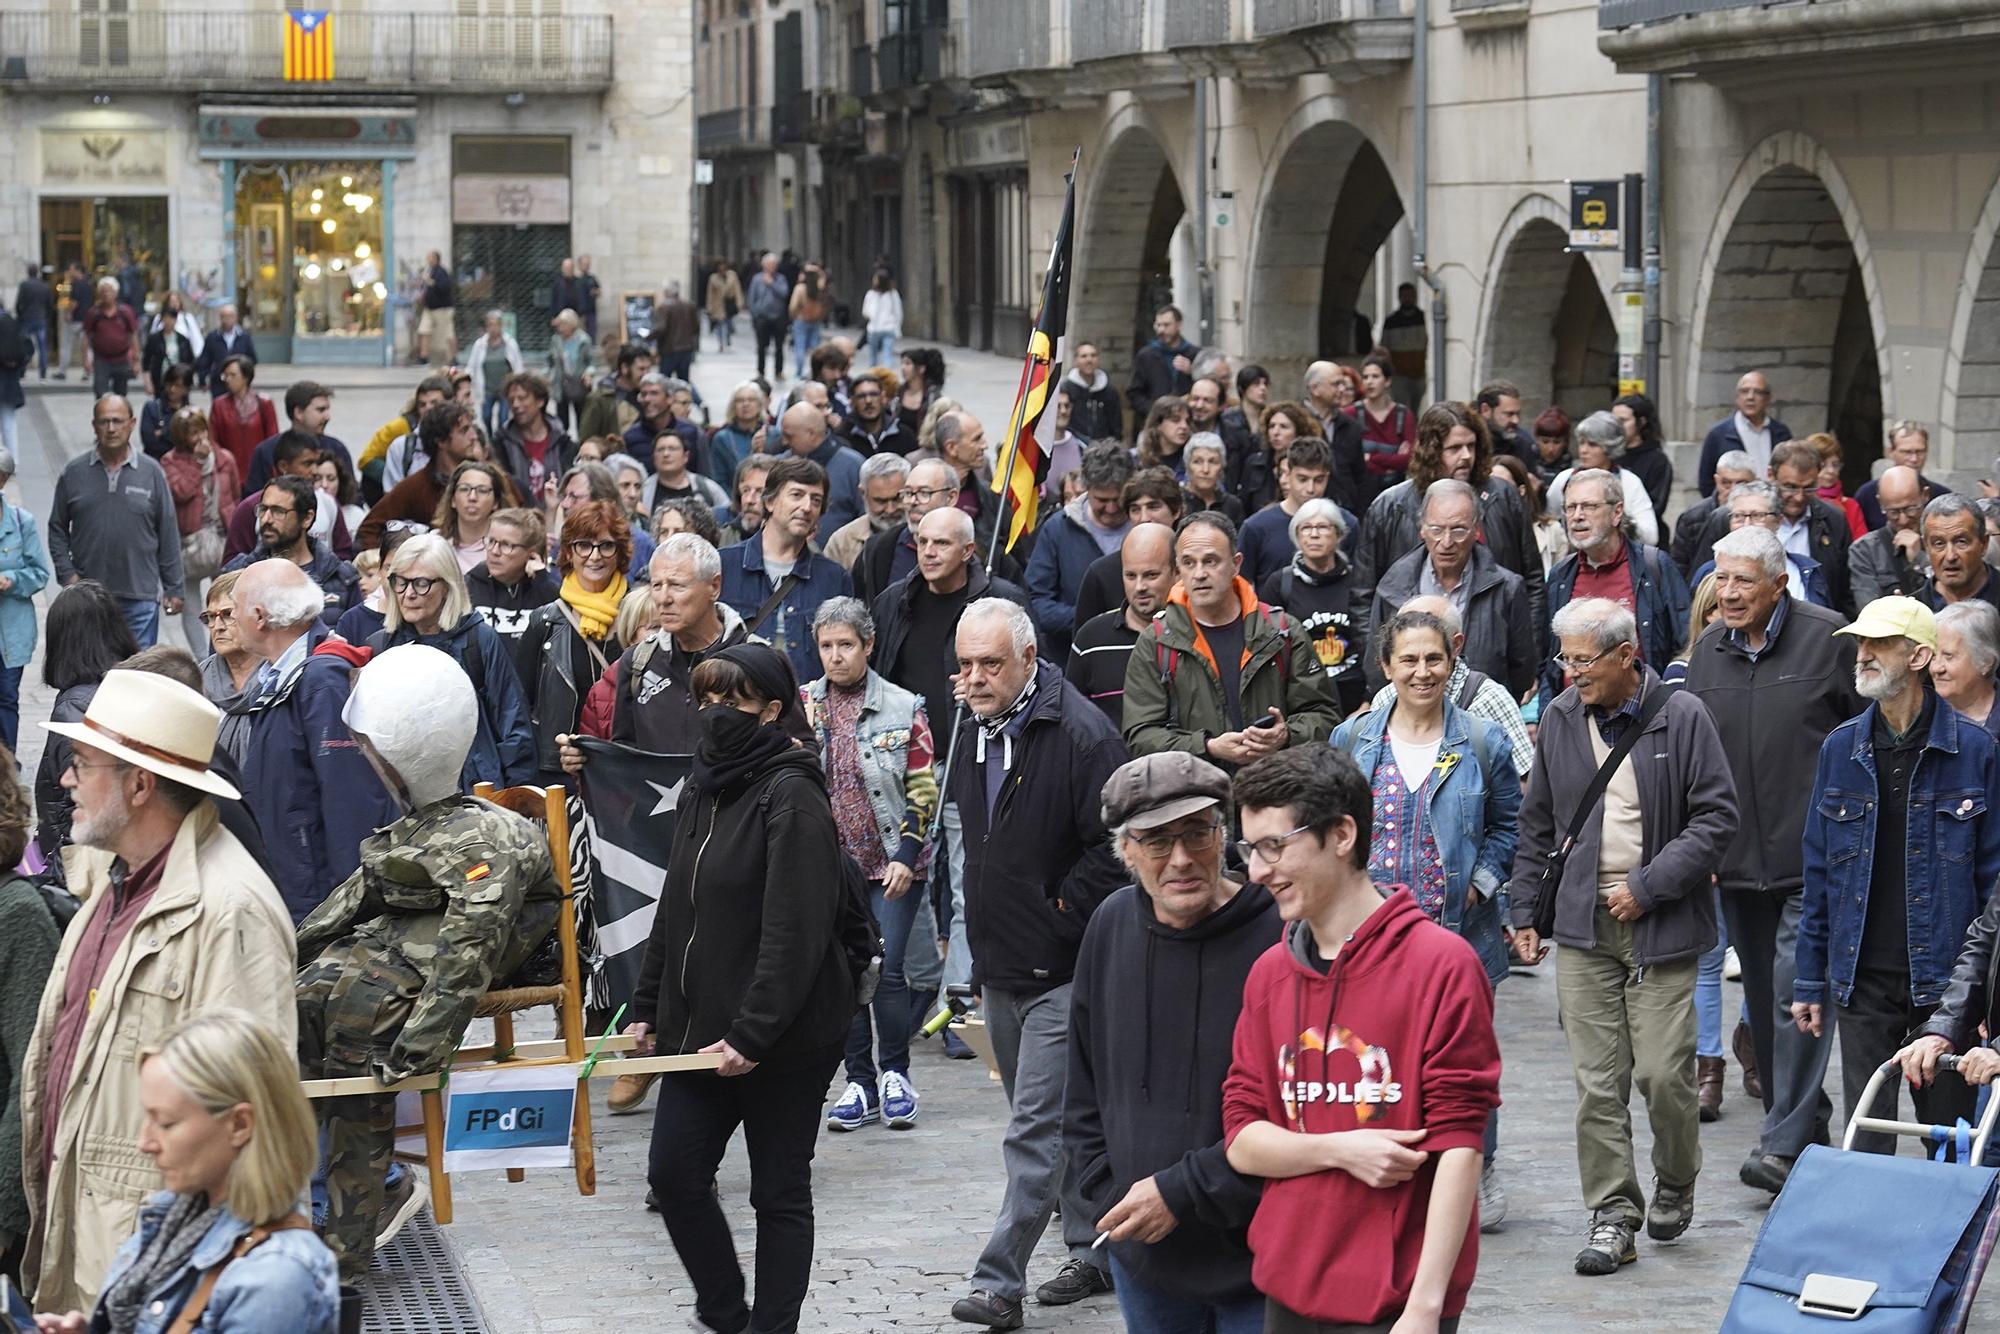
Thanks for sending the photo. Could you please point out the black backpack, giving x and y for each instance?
(855, 929)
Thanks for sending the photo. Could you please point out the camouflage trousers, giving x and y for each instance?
(353, 1001)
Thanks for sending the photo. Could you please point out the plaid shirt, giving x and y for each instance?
(1493, 703)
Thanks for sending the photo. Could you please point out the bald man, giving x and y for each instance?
(112, 520)
(1892, 559)
(1751, 428)
(1102, 646)
(804, 430)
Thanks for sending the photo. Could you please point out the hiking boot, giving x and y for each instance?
(854, 1110)
(628, 1094)
(1671, 1211)
(1076, 1280)
(1612, 1243)
(988, 1309)
(400, 1205)
(1744, 1047)
(1708, 1078)
(1766, 1171)
(1492, 1200)
(899, 1101)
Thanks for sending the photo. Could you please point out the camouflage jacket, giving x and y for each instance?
(453, 896)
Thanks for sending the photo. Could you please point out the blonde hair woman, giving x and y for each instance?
(235, 1143)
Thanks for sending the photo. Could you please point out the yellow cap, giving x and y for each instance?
(1886, 618)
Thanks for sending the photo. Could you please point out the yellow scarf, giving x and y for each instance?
(596, 611)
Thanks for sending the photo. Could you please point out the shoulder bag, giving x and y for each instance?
(1544, 921)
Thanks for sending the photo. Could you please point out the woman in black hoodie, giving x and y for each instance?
(744, 962)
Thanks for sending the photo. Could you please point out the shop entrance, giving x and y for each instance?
(309, 275)
(112, 237)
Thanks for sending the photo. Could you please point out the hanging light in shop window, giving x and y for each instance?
(363, 250)
(318, 194)
(310, 273)
(328, 226)
(358, 202)
(346, 181)
(381, 291)
(337, 265)
(313, 209)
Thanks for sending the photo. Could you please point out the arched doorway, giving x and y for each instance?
(1971, 408)
(1548, 328)
(1786, 293)
(1324, 214)
(1125, 247)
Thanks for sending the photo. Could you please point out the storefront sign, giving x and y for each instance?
(490, 200)
(261, 132)
(995, 144)
(104, 157)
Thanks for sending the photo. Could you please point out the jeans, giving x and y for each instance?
(923, 967)
(724, 330)
(10, 707)
(1797, 1112)
(805, 337)
(110, 377)
(1148, 1309)
(891, 1006)
(494, 413)
(1030, 1035)
(39, 333)
(958, 954)
(1628, 1024)
(143, 615)
(770, 336)
(1708, 996)
(9, 433)
(881, 347)
(779, 1110)
(1874, 1024)
(678, 365)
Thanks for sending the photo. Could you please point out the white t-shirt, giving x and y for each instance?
(1415, 758)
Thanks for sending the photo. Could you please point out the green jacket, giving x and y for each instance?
(28, 943)
(446, 902)
(1173, 696)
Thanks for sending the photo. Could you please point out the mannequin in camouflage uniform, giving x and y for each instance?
(452, 896)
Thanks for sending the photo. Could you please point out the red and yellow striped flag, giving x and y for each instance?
(308, 46)
(1024, 459)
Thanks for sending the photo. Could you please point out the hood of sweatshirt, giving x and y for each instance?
(1095, 384)
(1108, 539)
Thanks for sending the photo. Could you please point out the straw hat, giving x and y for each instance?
(155, 723)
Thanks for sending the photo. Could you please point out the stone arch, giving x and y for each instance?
(1543, 320)
(1968, 431)
(1788, 286)
(1327, 203)
(1132, 205)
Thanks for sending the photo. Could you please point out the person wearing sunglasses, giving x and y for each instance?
(427, 604)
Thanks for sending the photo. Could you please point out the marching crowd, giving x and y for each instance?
(1225, 800)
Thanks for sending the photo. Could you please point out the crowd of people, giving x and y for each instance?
(1277, 690)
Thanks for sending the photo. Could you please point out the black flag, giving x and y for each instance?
(629, 798)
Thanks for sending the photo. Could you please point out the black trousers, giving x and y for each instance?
(1791, 1066)
(780, 1112)
(770, 334)
(1281, 1320)
(1876, 1021)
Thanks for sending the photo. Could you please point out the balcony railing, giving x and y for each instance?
(1625, 13)
(910, 59)
(1273, 18)
(1008, 35)
(735, 127)
(196, 49)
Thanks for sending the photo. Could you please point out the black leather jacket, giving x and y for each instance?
(1975, 980)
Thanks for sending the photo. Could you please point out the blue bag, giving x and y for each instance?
(1820, 1265)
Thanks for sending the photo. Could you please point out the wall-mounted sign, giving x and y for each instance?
(1001, 143)
(104, 157)
(1593, 215)
(490, 200)
(245, 131)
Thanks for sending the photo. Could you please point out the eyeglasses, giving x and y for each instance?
(1796, 488)
(1737, 518)
(220, 616)
(503, 546)
(1903, 511)
(910, 495)
(1270, 849)
(1458, 532)
(274, 510)
(1161, 846)
(465, 490)
(1314, 529)
(1578, 666)
(405, 526)
(1585, 506)
(421, 585)
(1751, 391)
(583, 546)
(84, 766)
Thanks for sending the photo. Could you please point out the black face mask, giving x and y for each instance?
(726, 730)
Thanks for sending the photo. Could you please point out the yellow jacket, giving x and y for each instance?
(378, 444)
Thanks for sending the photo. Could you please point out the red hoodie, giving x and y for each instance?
(1411, 1017)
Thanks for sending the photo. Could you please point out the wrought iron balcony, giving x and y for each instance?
(732, 128)
(238, 50)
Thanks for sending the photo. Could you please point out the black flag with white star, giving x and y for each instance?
(629, 798)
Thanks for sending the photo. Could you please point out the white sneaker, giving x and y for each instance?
(854, 1110)
(1492, 1200)
(899, 1101)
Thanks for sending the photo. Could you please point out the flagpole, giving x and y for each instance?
(940, 854)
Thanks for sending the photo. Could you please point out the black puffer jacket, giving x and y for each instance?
(743, 946)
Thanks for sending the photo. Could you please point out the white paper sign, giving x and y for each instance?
(509, 1118)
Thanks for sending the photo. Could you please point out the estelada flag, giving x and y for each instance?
(1023, 463)
(308, 45)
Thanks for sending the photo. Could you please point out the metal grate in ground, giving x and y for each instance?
(415, 1286)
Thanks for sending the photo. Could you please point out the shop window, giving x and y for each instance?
(309, 247)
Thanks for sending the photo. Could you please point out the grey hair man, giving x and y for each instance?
(1954, 532)
(310, 789)
(1633, 899)
(1088, 528)
(1730, 469)
(1909, 446)
(1029, 764)
(113, 520)
(1491, 599)
(1776, 680)
(1608, 561)
(883, 478)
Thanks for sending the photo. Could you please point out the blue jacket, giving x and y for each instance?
(313, 794)
(22, 561)
(1660, 605)
(1722, 438)
(1953, 850)
(843, 486)
(289, 1283)
(788, 628)
(1064, 553)
(503, 749)
(1480, 800)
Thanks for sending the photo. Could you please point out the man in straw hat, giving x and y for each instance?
(177, 917)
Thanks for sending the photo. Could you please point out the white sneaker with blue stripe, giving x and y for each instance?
(854, 1110)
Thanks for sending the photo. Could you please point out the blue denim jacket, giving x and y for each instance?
(1473, 815)
(1954, 854)
(21, 560)
(287, 1284)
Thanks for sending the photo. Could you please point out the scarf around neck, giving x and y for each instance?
(597, 612)
(995, 728)
(186, 1222)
